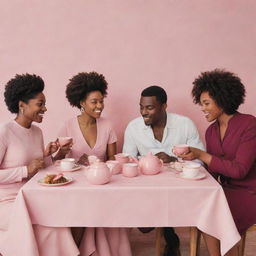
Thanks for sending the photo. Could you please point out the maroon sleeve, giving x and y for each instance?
(244, 159)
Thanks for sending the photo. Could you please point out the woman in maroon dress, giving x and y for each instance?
(231, 147)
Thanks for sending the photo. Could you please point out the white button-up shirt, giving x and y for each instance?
(139, 138)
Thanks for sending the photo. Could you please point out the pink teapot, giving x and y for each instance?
(150, 164)
(98, 173)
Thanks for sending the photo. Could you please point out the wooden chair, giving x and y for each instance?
(242, 242)
(194, 241)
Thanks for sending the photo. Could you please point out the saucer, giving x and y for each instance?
(75, 168)
(200, 176)
(41, 182)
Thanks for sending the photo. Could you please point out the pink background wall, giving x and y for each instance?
(133, 43)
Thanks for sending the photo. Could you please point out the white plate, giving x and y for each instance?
(75, 168)
(55, 185)
(200, 176)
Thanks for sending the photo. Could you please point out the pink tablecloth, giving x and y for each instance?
(145, 201)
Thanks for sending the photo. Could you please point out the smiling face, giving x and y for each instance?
(211, 110)
(93, 104)
(34, 109)
(151, 110)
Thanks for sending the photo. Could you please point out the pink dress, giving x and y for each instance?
(234, 161)
(18, 147)
(105, 135)
(97, 241)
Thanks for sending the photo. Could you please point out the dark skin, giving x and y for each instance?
(93, 105)
(30, 112)
(154, 114)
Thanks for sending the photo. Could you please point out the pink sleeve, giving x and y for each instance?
(112, 136)
(239, 167)
(13, 175)
(10, 175)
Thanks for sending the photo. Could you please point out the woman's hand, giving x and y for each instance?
(65, 149)
(51, 148)
(62, 150)
(34, 166)
(83, 160)
(195, 153)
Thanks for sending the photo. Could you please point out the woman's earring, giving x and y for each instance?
(82, 109)
(22, 111)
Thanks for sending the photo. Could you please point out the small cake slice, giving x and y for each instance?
(54, 178)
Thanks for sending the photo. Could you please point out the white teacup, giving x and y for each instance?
(178, 165)
(191, 170)
(67, 163)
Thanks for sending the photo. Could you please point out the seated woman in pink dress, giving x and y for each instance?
(22, 155)
(231, 147)
(92, 135)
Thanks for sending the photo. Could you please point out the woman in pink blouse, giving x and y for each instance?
(22, 155)
(231, 147)
(92, 135)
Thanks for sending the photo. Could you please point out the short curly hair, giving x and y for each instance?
(82, 84)
(22, 88)
(224, 87)
(156, 91)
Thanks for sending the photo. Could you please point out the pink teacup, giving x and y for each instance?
(114, 166)
(180, 149)
(130, 169)
(64, 140)
(122, 158)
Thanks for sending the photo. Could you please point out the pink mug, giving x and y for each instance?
(130, 169)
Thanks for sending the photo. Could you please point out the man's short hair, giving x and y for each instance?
(156, 91)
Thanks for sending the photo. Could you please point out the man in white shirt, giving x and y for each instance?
(157, 131)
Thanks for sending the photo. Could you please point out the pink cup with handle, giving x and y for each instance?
(122, 158)
(114, 166)
(180, 149)
(64, 140)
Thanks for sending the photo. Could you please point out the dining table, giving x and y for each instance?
(164, 200)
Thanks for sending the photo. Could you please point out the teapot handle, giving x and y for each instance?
(133, 159)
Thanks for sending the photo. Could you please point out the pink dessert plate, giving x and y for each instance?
(41, 182)
(200, 176)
